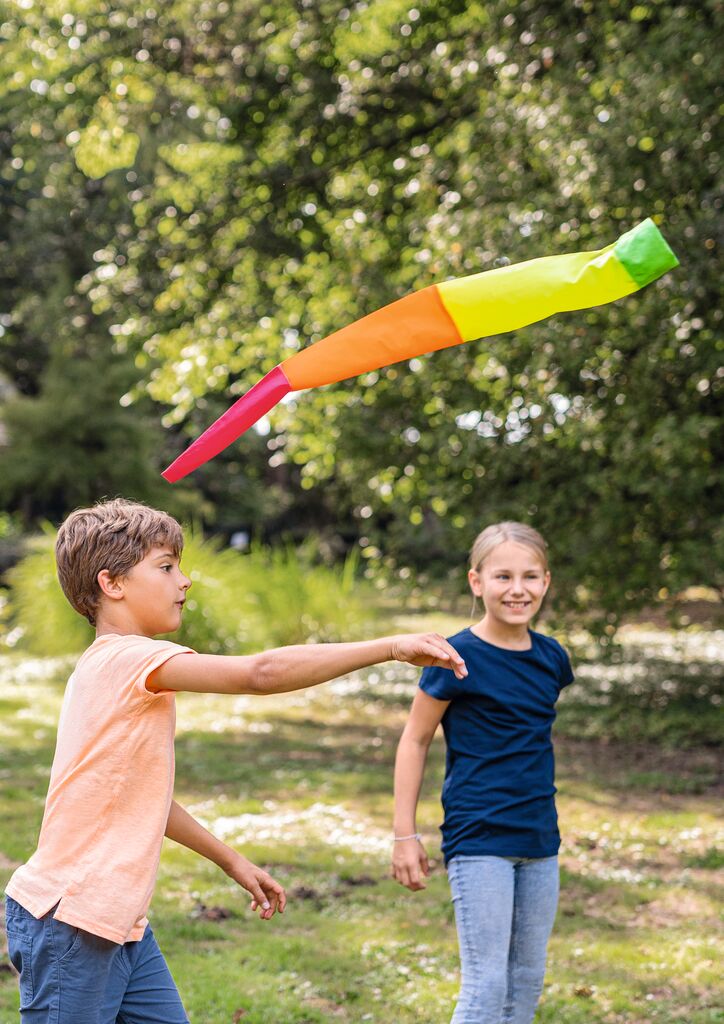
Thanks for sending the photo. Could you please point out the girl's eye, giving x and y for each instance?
(166, 567)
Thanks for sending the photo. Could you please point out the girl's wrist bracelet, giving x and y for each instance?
(401, 839)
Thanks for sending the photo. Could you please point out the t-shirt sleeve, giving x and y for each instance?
(143, 657)
(566, 675)
(440, 683)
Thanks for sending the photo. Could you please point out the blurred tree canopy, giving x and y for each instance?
(193, 190)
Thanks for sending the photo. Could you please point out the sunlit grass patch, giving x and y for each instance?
(302, 784)
(657, 686)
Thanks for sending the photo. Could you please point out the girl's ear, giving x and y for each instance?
(474, 582)
(111, 586)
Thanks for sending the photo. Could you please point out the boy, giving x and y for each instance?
(76, 911)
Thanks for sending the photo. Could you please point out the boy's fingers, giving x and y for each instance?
(456, 661)
(446, 655)
(275, 893)
(271, 886)
(258, 896)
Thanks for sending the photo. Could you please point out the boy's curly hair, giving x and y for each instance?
(113, 535)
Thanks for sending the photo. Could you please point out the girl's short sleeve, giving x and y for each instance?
(440, 683)
(566, 676)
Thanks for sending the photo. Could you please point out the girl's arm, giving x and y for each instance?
(409, 860)
(267, 895)
(293, 668)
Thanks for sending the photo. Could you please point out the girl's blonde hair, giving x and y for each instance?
(498, 533)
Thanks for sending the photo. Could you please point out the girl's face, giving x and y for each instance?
(511, 583)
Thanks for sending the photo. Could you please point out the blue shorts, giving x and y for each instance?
(69, 976)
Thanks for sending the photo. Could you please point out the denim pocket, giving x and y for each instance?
(65, 939)
(20, 951)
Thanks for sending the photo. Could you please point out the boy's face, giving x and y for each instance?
(151, 597)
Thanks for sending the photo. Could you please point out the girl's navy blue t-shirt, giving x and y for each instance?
(499, 794)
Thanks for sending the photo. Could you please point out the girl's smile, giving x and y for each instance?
(511, 583)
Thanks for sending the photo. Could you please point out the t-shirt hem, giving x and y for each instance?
(497, 853)
(38, 908)
(103, 931)
(502, 850)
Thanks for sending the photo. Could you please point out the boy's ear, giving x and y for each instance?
(111, 586)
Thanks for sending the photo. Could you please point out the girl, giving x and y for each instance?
(500, 833)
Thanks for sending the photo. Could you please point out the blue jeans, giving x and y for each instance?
(504, 910)
(69, 976)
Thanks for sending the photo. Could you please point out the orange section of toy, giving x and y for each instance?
(418, 323)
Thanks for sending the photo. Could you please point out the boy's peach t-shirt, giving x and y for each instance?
(110, 793)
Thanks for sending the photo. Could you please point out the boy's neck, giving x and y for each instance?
(120, 626)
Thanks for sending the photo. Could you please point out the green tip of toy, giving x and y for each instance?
(645, 253)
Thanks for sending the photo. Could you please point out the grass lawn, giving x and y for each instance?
(302, 785)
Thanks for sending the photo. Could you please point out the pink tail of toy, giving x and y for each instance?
(243, 414)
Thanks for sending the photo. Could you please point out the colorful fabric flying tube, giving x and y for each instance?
(442, 315)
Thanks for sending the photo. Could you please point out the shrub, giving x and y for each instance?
(40, 619)
(267, 598)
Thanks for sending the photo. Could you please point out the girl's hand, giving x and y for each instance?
(425, 649)
(267, 895)
(409, 864)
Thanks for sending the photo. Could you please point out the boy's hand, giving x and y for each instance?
(409, 864)
(425, 649)
(267, 895)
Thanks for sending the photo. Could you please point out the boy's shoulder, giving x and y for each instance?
(127, 642)
(129, 649)
(122, 664)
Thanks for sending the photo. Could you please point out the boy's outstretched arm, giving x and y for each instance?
(293, 668)
(267, 895)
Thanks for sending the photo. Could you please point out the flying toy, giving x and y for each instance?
(442, 315)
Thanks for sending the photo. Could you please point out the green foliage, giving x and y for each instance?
(74, 443)
(42, 622)
(270, 598)
(298, 166)
(9, 526)
(238, 603)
